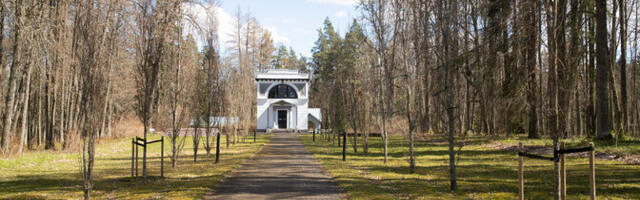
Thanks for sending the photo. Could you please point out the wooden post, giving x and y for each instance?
(520, 173)
(162, 157)
(344, 145)
(563, 174)
(218, 146)
(592, 172)
(314, 135)
(136, 158)
(557, 175)
(254, 136)
(133, 149)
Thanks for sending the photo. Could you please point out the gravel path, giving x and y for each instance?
(283, 169)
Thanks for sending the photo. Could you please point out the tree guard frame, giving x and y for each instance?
(558, 156)
(141, 142)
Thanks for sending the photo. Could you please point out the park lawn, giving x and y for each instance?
(627, 147)
(483, 172)
(56, 175)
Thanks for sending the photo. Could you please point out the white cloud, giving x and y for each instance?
(277, 36)
(339, 2)
(198, 17)
(226, 25)
(340, 14)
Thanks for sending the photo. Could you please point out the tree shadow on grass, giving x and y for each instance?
(488, 179)
(112, 178)
(479, 172)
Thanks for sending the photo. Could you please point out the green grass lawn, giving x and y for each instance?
(483, 172)
(56, 175)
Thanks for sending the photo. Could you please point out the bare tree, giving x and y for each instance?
(182, 66)
(212, 87)
(16, 66)
(448, 14)
(154, 20)
(93, 80)
(377, 12)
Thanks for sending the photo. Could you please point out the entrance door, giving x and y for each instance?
(282, 119)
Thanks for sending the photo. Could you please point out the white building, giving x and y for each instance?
(216, 121)
(283, 100)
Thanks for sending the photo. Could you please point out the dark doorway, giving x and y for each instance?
(282, 119)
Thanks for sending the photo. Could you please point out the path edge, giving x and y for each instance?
(326, 172)
(212, 190)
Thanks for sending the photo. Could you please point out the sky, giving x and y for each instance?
(292, 22)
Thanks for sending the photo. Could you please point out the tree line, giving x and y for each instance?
(72, 71)
(149, 51)
(545, 68)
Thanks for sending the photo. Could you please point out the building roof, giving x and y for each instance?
(281, 74)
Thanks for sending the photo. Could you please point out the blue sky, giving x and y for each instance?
(292, 22)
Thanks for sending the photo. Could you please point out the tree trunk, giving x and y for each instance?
(573, 62)
(531, 62)
(3, 9)
(553, 18)
(451, 130)
(39, 125)
(109, 116)
(174, 152)
(354, 120)
(412, 160)
(385, 139)
(603, 115)
(25, 111)
(426, 124)
(449, 16)
(106, 105)
(634, 85)
(552, 81)
(564, 77)
(15, 67)
(196, 140)
(614, 103)
(365, 130)
(63, 94)
(591, 78)
(542, 122)
(623, 65)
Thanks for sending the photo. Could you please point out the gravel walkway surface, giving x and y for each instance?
(283, 169)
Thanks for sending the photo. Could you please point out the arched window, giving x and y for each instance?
(282, 91)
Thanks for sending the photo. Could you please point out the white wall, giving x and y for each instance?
(298, 113)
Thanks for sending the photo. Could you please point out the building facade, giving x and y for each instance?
(283, 101)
